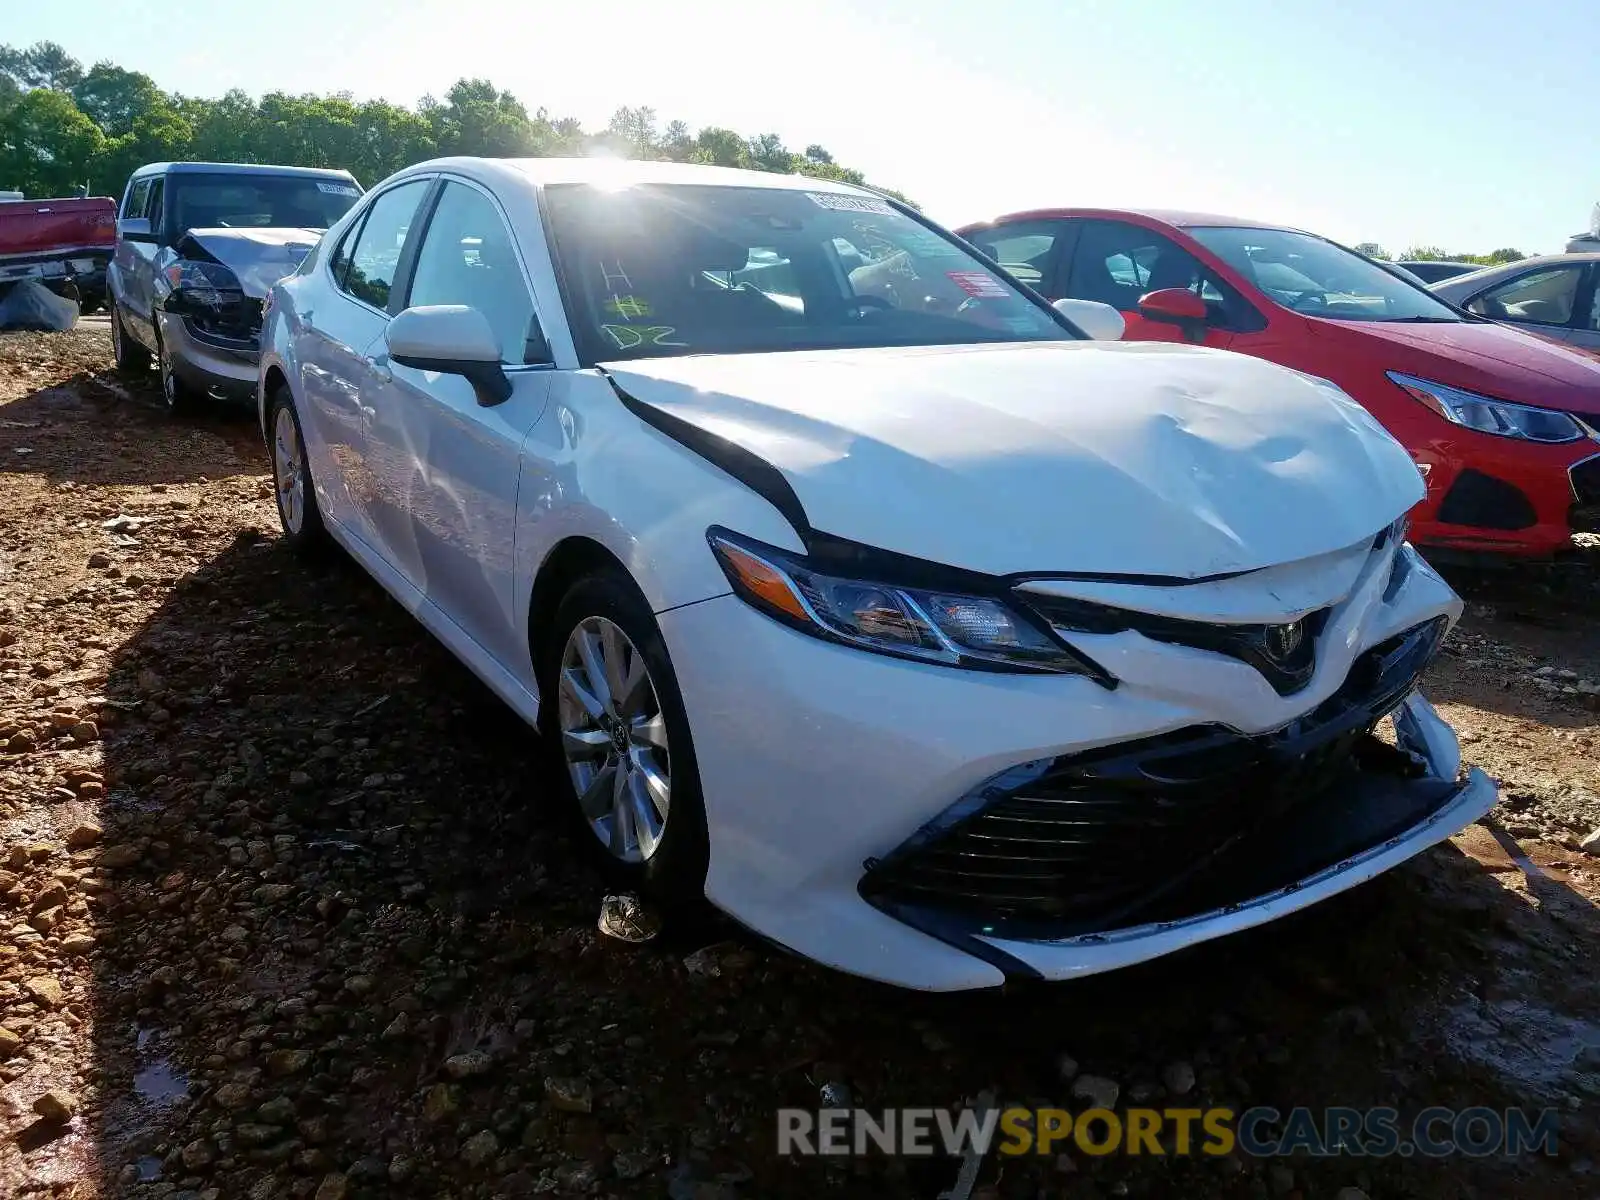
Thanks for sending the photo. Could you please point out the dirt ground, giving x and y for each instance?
(281, 914)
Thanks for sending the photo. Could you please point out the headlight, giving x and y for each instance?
(928, 624)
(1498, 417)
(202, 286)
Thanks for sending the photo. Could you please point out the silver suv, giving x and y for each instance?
(198, 245)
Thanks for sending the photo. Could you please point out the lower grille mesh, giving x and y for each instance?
(1084, 841)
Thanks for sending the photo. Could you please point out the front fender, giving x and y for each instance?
(592, 469)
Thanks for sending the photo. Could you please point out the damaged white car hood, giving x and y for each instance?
(1075, 457)
(259, 257)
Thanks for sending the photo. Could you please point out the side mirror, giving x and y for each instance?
(1176, 306)
(1100, 321)
(452, 339)
(135, 229)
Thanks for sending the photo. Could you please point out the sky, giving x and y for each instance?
(1467, 124)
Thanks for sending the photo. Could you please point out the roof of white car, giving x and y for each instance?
(619, 172)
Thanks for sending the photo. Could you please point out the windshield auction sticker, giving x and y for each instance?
(841, 203)
(978, 284)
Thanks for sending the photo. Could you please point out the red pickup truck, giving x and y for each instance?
(64, 243)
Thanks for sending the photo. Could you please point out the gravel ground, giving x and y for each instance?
(281, 915)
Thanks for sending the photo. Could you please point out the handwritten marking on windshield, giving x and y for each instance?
(631, 337)
(628, 307)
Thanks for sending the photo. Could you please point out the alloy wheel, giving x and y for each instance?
(288, 470)
(169, 381)
(614, 739)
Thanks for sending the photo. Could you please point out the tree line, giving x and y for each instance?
(1435, 254)
(64, 128)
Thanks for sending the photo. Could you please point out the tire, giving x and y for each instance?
(181, 399)
(129, 355)
(298, 513)
(666, 863)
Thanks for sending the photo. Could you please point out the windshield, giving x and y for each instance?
(682, 269)
(256, 201)
(1318, 278)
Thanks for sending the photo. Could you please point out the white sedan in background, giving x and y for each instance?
(856, 589)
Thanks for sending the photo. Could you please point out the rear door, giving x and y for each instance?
(1117, 262)
(336, 334)
(133, 264)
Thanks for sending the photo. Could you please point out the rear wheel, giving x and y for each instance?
(182, 399)
(128, 354)
(611, 711)
(291, 478)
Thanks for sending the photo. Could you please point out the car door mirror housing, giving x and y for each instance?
(453, 339)
(1100, 321)
(1174, 306)
(135, 229)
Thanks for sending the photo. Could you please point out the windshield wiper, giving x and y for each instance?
(1419, 320)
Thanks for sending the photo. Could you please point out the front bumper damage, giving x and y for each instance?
(214, 357)
(836, 782)
(1322, 819)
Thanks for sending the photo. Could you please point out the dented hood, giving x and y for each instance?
(1092, 457)
(259, 257)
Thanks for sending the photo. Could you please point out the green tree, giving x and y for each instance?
(633, 131)
(47, 145)
(42, 65)
(114, 99)
(61, 126)
(767, 153)
(720, 147)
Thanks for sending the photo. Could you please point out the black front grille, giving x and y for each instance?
(1285, 655)
(1086, 842)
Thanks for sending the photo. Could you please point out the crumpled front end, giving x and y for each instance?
(1090, 860)
(945, 829)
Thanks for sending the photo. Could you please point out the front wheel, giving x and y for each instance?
(298, 512)
(611, 711)
(182, 399)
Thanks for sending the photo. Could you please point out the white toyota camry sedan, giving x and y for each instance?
(859, 590)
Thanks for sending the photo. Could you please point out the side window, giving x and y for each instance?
(138, 195)
(340, 263)
(1544, 297)
(467, 258)
(375, 255)
(1024, 249)
(153, 207)
(1116, 263)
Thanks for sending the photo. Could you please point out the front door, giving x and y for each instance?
(1116, 263)
(1558, 302)
(444, 464)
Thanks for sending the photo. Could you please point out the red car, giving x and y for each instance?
(1503, 425)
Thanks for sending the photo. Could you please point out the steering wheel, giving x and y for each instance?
(1309, 301)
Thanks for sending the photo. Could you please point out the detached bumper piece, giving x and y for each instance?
(1585, 514)
(1168, 827)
